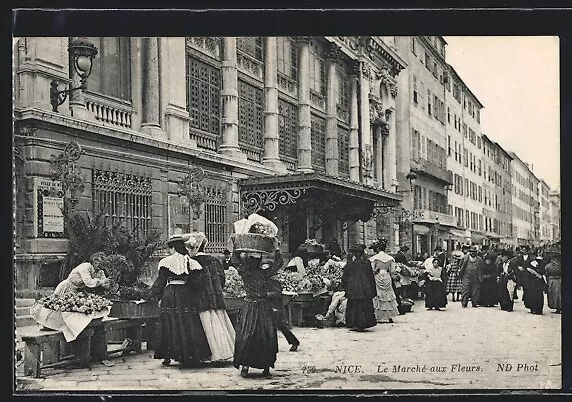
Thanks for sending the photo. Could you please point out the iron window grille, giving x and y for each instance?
(250, 117)
(344, 151)
(318, 133)
(123, 198)
(252, 46)
(203, 83)
(217, 223)
(287, 128)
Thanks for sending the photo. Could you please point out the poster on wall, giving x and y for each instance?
(48, 208)
(179, 213)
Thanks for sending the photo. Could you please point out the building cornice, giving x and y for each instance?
(38, 118)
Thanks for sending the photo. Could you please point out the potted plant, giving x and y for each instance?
(126, 255)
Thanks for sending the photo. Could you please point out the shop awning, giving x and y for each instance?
(477, 237)
(464, 234)
(420, 229)
(262, 193)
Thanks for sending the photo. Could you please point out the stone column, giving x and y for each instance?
(354, 124)
(77, 98)
(173, 92)
(366, 143)
(271, 136)
(151, 123)
(229, 95)
(332, 153)
(304, 114)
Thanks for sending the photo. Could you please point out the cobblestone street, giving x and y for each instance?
(423, 350)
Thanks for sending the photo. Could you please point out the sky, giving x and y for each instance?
(516, 78)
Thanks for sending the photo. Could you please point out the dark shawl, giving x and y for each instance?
(211, 296)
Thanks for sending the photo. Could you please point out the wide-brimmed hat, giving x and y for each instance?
(177, 235)
(195, 239)
(473, 248)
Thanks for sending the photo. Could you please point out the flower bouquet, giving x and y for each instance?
(313, 246)
(332, 270)
(71, 312)
(233, 287)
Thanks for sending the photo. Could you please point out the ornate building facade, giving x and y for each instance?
(197, 132)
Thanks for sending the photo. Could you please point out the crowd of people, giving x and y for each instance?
(194, 327)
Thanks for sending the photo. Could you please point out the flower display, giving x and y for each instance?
(233, 287)
(332, 271)
(260, 228)
(289, 280)
(85, 303)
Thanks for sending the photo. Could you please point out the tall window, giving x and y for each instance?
(287, 57)
(415, 145)
(343, 90)
(203, 95)
(288, 128)
(111, 71)
(318, 132)
(216, 220)
(252, 46)
(415, 90)
(449, 145)
(317, 69)
(429, 101)
(414, 45)
(123, 198)
(250, 108)
(344, 151)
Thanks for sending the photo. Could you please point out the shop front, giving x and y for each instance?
(315, 206)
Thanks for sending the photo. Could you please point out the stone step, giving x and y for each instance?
(25, 320)
(22, 311)
(33, 293)
(20, 302)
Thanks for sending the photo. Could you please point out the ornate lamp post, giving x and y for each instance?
(82, 52)
(190, 187)
(64, 169)
(411, 176)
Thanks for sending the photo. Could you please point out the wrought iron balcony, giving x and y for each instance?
(428, 168)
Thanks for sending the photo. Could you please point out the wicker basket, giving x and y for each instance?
(253, 242)
(130, 309)
(315, 248)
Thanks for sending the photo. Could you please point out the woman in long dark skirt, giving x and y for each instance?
(488, 296)
(358, 281)
(554, 282)
(256, 342)
(435, 287)
(181, 334)
(536, 284)
(506, 282)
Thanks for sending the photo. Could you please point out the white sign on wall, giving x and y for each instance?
(48, 208)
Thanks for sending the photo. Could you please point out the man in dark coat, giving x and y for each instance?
(471, 274)
(440, 256)
(400, 256)
(519, 265)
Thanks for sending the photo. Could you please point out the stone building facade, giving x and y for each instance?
(524, 201)
(422, 141)
(299, 129)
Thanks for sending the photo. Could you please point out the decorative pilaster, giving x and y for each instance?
(229, 95)
(173, 94)
(304, 114)
(393, 184)
(378, 155)
(151, 96)
(271, 136)
(333, 54)
(354, 126)
(364, 78)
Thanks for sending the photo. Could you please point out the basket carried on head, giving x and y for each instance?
(253, 242)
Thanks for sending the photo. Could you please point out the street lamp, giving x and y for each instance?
(82, 52)
(411, 176)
